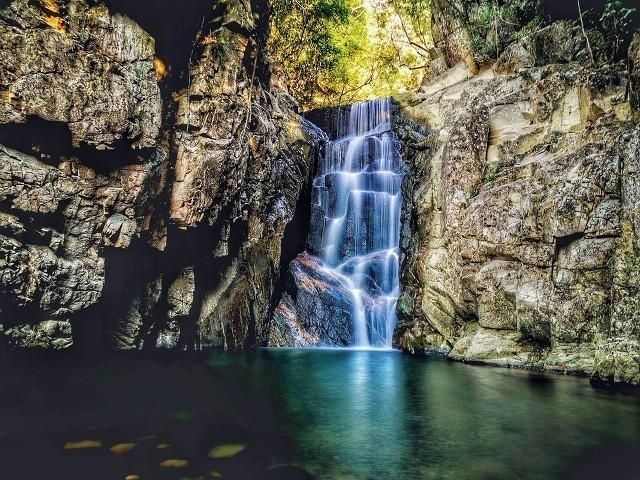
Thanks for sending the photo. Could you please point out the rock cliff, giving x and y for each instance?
(146, 187)
(521, 220)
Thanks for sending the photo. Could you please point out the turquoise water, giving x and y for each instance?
(326, 414)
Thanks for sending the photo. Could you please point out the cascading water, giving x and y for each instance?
(358, 188)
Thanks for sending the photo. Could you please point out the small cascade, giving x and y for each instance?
(358, 189)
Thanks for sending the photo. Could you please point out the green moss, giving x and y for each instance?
(494, 173)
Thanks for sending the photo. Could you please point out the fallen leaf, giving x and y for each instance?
(122, 448)
(174, 463)
(215, 474)
(162, 446)
(227, 451)
(82, 444)
(132, 477)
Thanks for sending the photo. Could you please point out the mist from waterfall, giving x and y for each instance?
(358, 188)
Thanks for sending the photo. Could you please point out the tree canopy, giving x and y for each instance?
(341, 51)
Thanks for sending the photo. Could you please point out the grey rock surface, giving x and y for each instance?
(521, 238)
(101, 166)
(320, 314)
(75, 63)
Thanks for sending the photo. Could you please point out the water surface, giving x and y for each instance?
(326, 414)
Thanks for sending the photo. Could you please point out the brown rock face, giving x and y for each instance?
(521, 233)
(131, 213)
(320, 314)
(69, 62)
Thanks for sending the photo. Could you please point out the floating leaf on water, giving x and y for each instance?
(227, 451)
(174, 463)
(215, 474)
(122, 448)
(83, 444)
(162, 446)
(132, 477)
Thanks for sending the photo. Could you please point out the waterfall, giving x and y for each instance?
(358, 188)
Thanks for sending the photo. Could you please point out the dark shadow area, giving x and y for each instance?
(611, 460)
(174, 24)
(43, 139)
(592, 11)
(565, 241)
(318, 410)
(295, 234)
(50, 142)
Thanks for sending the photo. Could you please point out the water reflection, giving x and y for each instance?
(384, 415)
(331, 414)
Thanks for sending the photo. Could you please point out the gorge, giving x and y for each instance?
(285, 240)
(515, 245)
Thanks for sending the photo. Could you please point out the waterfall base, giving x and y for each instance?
(347, 284)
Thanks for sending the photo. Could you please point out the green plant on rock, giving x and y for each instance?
(495, 172)
(494, 25)
(616, 20)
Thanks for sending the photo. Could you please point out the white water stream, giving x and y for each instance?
(359, 190)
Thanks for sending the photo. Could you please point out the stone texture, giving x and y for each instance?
(320, 313)
(49, 334)
(243, 160)
(226, 157)
(520, 234)
(634, 70)
(75, 63)
(180, 294)
(133, 327)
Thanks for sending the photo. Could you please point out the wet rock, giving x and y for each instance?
(320, 314)
(227, 450)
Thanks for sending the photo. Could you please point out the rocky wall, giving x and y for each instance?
(520, 235)
(144, 194)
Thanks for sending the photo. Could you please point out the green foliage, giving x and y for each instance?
(494, 25)
(301, 43)
(341, 51)
(616, 22)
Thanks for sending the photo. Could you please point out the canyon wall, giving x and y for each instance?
(146, 187)
(521, 232)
